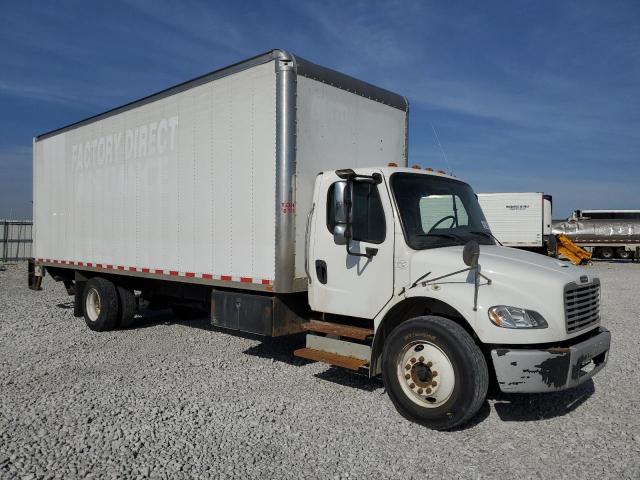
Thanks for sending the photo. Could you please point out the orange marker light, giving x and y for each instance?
(429, 169)
(391, 164)
(417, 167)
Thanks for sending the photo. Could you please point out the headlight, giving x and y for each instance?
(513, 317)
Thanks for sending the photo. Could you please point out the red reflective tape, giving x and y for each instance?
(246, 279)
(207, 276)
(190, 274)
(120, 267)
(80, 264)
(132, 269)
(145, 270)
(266, 282)
(98, 265)
(159, 271)
(226, 278)
(71, 262)
(89, 264)
(110, 266)
(173, 273)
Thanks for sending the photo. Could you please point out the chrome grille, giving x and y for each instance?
(581, 305)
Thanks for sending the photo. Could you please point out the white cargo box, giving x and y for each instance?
(209, 181)
(518, 219)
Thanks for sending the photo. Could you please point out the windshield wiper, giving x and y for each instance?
(489, 235)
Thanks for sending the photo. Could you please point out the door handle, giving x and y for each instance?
(321, 271)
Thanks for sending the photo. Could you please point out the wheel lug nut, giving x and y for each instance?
(413, 360)
(428, 390)
(407, 376)
(421, 359)
(434, 374)
(412, 385)
(407, 367)
(420, 391)
(434, 383)
(429, 364)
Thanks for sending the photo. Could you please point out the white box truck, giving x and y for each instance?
(519, 219)
(253, 192)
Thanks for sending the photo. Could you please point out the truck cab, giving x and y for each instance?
(409, 254)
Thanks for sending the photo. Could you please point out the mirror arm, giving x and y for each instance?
(370, 252)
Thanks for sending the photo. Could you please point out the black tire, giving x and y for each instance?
(468, 365)
(606, 253)
(107, 317)
(127, 307)
(78, 311)
(623, 253)
(184, 312)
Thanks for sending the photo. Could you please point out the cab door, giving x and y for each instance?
(344, 283)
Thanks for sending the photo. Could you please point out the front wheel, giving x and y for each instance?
(434, 372)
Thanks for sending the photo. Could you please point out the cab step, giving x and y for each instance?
(333, 351)
(343, 361)
(338, 329)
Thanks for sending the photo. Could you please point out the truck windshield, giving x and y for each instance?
(438, 212)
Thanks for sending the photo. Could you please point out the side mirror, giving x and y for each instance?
(471, 253)
(342, 202)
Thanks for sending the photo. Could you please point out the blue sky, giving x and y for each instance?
(524, 95)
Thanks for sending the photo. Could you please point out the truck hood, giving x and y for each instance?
(496, 260)
(518, 278)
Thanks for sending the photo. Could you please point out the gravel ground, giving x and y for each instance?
(169, 399)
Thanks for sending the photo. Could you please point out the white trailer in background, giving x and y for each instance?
(518, 219)
(252, 193)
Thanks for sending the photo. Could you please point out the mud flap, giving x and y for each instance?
(35, 273)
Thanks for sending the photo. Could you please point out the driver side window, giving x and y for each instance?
(368, 215)
(442, 212)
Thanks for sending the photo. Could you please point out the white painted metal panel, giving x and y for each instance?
(516, 219)
(547, 215)
(185, 183)
(338, 129)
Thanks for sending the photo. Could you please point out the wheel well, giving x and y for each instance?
(406, 310)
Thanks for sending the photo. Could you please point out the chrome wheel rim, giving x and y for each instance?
(426, 374)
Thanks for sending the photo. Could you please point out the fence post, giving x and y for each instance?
(6, 241)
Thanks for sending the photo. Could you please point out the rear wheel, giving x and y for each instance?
(100, 304)
(128, 306)
(623, 253)
(434, 372)
(606, 253)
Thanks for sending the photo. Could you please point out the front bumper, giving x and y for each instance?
(532, 371)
